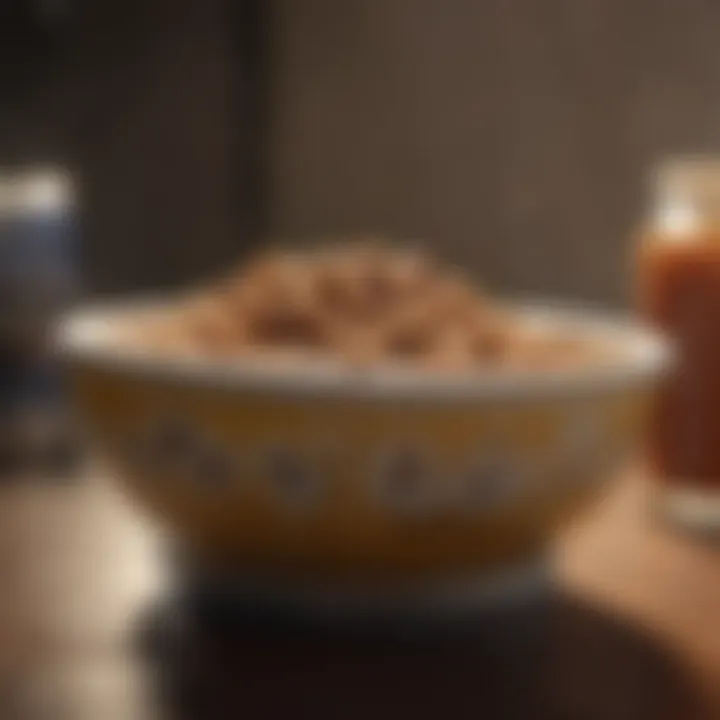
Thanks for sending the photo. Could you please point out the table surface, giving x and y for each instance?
(634, 617)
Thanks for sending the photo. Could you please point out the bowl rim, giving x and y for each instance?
(81, 339)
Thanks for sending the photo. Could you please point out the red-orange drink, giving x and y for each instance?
(679, 287)
(681, 294)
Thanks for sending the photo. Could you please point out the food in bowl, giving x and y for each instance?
(364, 305)
(316, 469)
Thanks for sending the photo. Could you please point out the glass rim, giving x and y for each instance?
(35, 188)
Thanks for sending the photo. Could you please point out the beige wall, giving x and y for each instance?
(153, 134)
(514, 133)
(140, 103)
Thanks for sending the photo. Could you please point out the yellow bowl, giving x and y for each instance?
(334, 472)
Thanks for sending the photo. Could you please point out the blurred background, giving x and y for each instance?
(513, 137)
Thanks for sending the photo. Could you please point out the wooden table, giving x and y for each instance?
(655, 578)
(635, 630)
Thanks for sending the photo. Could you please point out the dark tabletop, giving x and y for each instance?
(94, 624)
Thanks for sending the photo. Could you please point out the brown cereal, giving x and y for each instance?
(489, 334)
(361, 347)
(453, 350)
(363, 303)
(410, 332)
(210, 325)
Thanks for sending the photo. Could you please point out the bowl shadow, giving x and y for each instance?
(541, 654)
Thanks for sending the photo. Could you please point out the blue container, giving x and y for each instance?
(38, 279)
(38, 253)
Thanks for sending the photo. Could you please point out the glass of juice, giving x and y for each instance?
(679, 292)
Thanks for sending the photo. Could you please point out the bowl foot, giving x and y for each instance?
(211, 603)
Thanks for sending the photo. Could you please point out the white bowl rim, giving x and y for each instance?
(82, 338)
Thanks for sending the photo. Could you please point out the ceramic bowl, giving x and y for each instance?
(312, 468)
